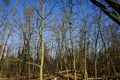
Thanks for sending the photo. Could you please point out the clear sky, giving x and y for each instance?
(54, 19)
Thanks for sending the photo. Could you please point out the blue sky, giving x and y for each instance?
(54, 19)
(56, 15)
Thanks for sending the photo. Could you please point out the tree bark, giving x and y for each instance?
(42, 43)
(85, 51)
(113, 16)
(71, 39)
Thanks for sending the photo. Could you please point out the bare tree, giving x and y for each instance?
(42, 42)
(9, 30)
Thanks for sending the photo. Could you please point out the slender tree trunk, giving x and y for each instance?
(104, 44)
(108, 58)
(71, 39)
(28, 64)
(9, 30)
(42, 41)
(73, 51)
(85, 51)
(4, 44)
(66, 67)
(96, 55)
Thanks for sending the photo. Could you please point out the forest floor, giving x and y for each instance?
(61, 75)
(57, 76)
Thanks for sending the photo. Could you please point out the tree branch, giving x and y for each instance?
(25, 62)
(114, 4)
(106, 11)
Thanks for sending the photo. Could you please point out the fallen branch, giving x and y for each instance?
(25, 62)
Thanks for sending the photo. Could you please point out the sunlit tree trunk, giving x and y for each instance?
(71, 39)
(42, 43)
(4, 44)
(9, 30)
(64, 47)
(73, 53)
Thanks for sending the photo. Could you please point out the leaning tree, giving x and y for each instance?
(110, 8)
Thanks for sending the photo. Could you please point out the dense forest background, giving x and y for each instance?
(59, 39)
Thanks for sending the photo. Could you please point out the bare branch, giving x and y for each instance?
(106, 11)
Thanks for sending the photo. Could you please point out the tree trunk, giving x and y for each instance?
(85, 51)
(42, 41)
(71, 39)
(96, 56)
